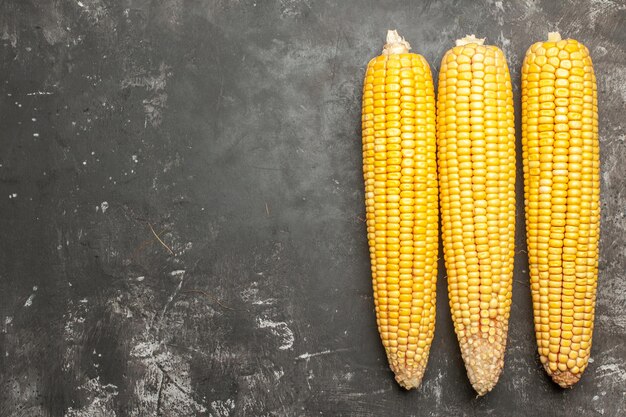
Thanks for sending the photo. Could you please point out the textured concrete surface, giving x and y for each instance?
(231, 130)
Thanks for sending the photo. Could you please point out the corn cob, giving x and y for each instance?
(562, 199)
(399, 168)
(476, 153)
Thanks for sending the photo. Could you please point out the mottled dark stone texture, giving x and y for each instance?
(232, 129)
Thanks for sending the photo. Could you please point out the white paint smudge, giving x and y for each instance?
(266, 302)
(155, 104)
(222, 408)
(148, 81)
(11, 36)
(95, 10)
(599, 9)
(251, 295)
(165, 386)
(144, 349)
(7, 322)
(182, 248)
(101, 397)
(364, 394)
(612, 369)
(435, 387)
(505, 44)
(74, 320)
(40, 93)
(29, 301)
(278, 373)
(293, 8)
(153, 108)
(279, 329)
(181, 273)
(171, 375)
(600, 51)
(307, 355)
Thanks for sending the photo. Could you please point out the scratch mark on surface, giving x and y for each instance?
(149, 354)
(160, 241)
(160, 394)
(307, 356)
(209, 296)
(363, 394)
(172, 380)
(264, 168)
(175, 293)
(308, 375)
(334, 59)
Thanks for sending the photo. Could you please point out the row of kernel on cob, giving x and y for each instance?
(460, 159)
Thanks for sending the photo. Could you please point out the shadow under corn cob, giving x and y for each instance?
(399, 169)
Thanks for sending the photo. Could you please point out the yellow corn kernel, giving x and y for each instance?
(566, 187)
(476, 157)
(399, 169)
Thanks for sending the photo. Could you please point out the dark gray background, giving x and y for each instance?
(232, 128)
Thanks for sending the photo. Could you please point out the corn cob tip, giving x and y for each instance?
(468, 39)
(554, 36)
(409, 378)
(565, 379)
(396, 44)
(484, 361)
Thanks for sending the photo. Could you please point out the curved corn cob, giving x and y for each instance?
(399, 168)
(562, 193)
(476, 149)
